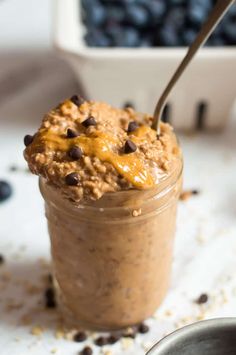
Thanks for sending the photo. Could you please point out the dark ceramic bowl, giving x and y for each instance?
(210, 337)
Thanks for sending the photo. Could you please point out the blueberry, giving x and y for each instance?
(5, 190)
(216, 41)
(189, 36)
(146, 41)
(196, 15)
(123, 36)
(137, 15)
(229, 32)
(96, 38)
(95, 13)
(156, 10)
(168, 36)
(130, 38)
(176, 16)
(115, 13)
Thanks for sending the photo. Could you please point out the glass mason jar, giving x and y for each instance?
(112, 257)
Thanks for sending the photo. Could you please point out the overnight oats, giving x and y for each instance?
(111, 187)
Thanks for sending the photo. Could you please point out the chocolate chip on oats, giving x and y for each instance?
(132, 126)
(143, 328)
(28, 139)
(101, 341)
(75, 153)
(79, 337)
(203, 298)
(77, 100)
(90, 121)
(2, 259)
(129, 147)
(86, 351)
(72, 179)
(71, 133)
(113, 338)
(128, 104)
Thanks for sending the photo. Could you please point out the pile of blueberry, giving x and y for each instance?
(152, 23)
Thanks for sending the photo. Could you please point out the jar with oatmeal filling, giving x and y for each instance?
(112, 257)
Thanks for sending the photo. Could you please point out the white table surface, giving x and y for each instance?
(205, 248)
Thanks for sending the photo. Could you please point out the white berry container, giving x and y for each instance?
(204, 96)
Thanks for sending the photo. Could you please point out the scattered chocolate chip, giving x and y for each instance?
(71, 133)
(77, 100)
(195, 192)
(90, 121)
(113, 338)
(72, 179)
(129, 147)
(75, 153)
(79, 337)
(128, 104)
(2, 259)
(203, 298)
(50, 301)
(101, 341)
(13, 168)
(28, 139)
(143, 328)
(86, 351)
(132, 126)
(5, 190)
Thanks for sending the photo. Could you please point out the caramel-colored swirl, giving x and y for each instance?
(102, 146)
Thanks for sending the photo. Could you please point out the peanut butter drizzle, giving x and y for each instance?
(101, 145)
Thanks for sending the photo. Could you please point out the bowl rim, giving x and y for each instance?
(190, 330)
(62, 9)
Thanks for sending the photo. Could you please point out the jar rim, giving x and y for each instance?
(143, 196)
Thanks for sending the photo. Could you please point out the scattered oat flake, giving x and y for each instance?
(185, 195)
(59, 333)
(37, 330)
(107, 352)
(126, 343)
(54, 351)
(168, 313)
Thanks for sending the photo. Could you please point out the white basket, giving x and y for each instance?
(203, 96)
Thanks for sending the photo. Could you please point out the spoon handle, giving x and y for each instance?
(215, 16)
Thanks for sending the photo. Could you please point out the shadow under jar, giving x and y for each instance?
(112, 257)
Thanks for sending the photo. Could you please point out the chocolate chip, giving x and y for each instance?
(132, 126)
(75, 153)
(90, 121)
(143, 328)
(101, 341)
(203, 298)
(128, 104)
(50, 301)
(195, 192)
(77, 100)
(71, 133)
(79, 337)
(13, 168)
(113, 338)
(72, 179)
(28, 139)
(86, 351)
(2, 259)
(129, 147)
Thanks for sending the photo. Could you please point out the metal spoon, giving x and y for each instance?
(214, 18)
